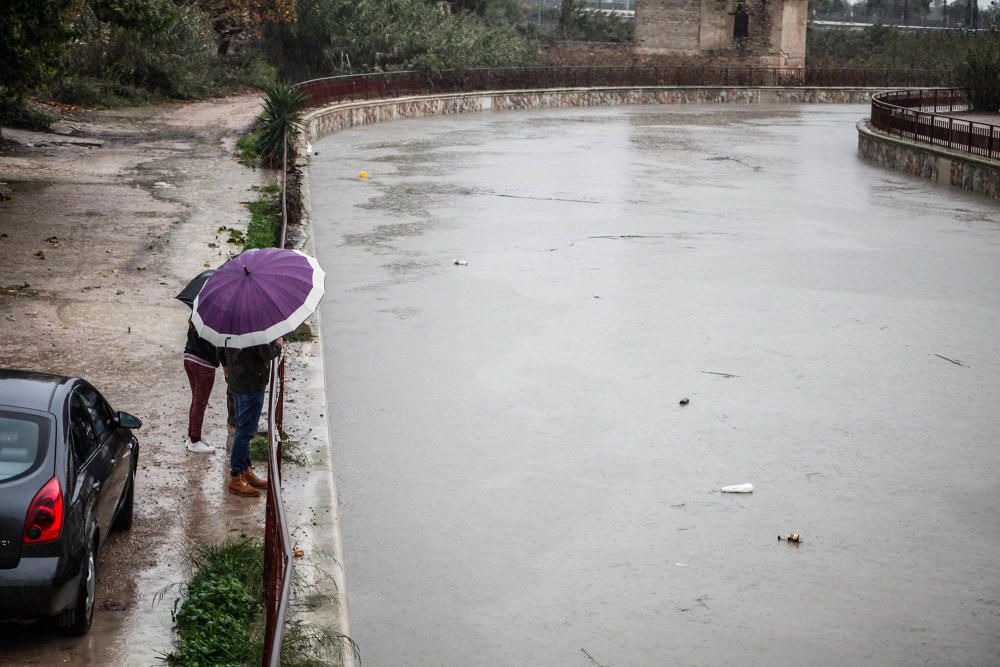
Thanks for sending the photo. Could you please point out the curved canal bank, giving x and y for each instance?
(326, 120)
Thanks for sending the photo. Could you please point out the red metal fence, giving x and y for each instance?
(920, 115)
(277, 544)
(400, 84)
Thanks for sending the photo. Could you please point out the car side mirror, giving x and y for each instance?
(125, 420)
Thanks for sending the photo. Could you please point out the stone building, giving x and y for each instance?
(722, 32)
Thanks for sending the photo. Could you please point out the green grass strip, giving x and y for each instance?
(265, 218)
(223, 607)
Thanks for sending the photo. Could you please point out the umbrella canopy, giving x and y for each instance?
(258, 296)
(187, 295)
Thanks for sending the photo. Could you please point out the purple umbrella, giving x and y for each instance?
(258, 296)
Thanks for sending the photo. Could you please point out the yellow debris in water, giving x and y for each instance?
(363, 175)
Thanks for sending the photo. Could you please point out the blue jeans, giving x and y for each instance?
(248, 408)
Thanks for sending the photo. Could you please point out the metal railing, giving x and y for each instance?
(920, 115)
(401, 84)
(277, 543)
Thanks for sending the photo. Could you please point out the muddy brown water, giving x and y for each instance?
(520, 484)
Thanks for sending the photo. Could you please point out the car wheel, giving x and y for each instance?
(123, 520)
(76, 620)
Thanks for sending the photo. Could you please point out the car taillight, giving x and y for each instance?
(45, 514)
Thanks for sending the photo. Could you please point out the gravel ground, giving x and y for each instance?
(108, 221)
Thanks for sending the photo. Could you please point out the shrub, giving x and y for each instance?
(980, 72)
(348, 36)
(19, 113)
(166, 52)
(582, 23)
(222, 601)
(141, 51)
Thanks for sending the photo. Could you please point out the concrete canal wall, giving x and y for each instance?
(941, 165)
(327, 120)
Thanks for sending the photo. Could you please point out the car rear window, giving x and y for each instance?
(23, 440)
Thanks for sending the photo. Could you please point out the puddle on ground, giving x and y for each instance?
(156, 324)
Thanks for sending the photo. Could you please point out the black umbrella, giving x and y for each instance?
(188, 294)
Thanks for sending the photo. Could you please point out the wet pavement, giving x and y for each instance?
(120, 229)
(519, 482)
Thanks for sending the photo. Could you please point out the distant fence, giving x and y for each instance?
(921, 115)
(345, 88)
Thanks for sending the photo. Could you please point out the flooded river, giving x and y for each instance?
(520, 484)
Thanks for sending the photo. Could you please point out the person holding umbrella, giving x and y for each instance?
(249, 373)
(200, 361)
(245, 308)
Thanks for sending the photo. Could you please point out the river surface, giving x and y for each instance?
(520, 484)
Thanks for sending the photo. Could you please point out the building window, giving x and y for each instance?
(741, 22)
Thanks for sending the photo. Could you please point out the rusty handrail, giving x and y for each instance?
(277, 543)
(918, 115)
(381, 85)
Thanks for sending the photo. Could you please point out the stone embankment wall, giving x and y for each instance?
(334, 118)
(954, 168)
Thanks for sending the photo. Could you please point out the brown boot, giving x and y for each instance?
(253, 480)
(239, 485)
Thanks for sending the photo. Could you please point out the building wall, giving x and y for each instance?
(704, 29)
(793, 32)
(668, 26)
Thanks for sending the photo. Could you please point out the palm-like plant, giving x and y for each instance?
(280, 122)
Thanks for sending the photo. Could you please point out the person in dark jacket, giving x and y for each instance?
(249, 371)
(201, 358)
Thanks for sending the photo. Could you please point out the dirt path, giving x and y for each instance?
(93, 247)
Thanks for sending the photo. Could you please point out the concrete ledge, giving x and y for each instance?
(327, 120)
(936, 163)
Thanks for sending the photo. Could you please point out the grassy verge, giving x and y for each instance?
(265, 218)
(221, 619)
(247, 152)
(223, 604)
(290, 450)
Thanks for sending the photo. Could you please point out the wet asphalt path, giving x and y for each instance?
(519, 483)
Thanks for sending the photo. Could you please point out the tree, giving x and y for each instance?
(33, 35)
(231, 18)
(980, 72)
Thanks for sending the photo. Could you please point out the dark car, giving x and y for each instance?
(67, 478)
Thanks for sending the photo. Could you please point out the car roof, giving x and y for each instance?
(29, 389)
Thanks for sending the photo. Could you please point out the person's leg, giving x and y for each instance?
(248, 409)
(201, 378)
